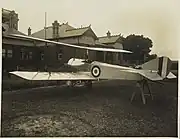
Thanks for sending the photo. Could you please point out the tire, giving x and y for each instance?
(70, 84)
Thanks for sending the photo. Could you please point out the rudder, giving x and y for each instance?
(161, 64)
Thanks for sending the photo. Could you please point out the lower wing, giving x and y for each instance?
(53, 75)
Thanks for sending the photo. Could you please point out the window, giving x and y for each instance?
(9, 53)
(42, 55)
(59, 56)
(3, 52)
(26, 56)
(22, 54)
(30, 55)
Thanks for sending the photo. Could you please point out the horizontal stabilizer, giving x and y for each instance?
(162, 65)
(171, 76)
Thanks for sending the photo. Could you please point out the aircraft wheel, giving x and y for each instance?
(70, 83)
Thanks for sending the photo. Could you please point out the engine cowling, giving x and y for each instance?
(75, 62)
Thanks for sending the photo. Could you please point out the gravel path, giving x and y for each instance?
(103, 111)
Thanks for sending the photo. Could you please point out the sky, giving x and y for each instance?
(156, 19)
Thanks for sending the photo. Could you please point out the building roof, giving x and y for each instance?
(65, 30)
(6, 12)
(8, 30)
(74, 32)
(110, 39)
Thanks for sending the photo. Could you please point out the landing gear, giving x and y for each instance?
(88, 84)
(70, 83)
(141, 85)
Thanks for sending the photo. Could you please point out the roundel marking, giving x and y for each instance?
(96, 71)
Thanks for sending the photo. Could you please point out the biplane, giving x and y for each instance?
(154, 70)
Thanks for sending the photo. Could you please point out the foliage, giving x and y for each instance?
(139, 45)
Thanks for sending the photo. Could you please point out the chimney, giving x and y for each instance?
(55, 29)
(108, 34)
(29, 31)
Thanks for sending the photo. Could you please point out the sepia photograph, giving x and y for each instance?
(89, 68)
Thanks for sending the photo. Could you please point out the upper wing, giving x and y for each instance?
(75, 46)
(53, 75)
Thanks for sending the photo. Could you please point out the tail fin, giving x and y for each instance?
(161, 64)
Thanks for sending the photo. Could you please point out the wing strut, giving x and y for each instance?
(35, 75)
(49, 75)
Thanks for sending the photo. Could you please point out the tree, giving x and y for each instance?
(139, 45)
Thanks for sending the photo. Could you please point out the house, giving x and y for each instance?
(16, 52)
(10, 18)
(57, 55)
(20, 54)
(116, 42)
(26, 54)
